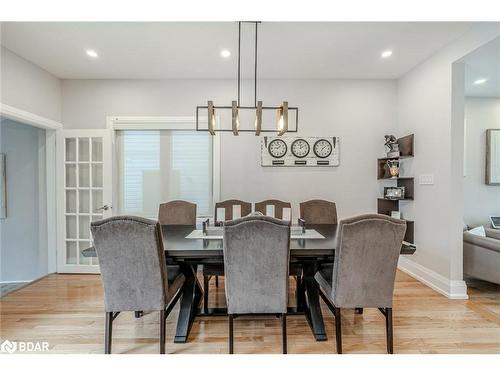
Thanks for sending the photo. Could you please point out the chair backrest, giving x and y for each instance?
(318, 211)
(245, 209)
(278, 207)
(177, 213)
(256, 257)
(366, 257)
(132, 263)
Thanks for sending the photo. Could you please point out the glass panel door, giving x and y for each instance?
(85, 190)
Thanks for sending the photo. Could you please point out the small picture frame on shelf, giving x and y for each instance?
(395, 193)
(396, 214)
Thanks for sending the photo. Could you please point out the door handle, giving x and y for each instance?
(104, 208)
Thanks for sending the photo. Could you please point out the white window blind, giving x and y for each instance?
(157, 166)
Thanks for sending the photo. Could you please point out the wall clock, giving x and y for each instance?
(277, 148)
(300, 151)
(300, 148)
(322, 148)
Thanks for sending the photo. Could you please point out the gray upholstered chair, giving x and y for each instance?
(256, 258)
(177, 213)
(318, 211)
(364, 270)
(133, 270)
(217, 270)
(295, 269)
(278, 207)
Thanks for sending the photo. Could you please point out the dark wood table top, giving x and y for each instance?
(178, 247)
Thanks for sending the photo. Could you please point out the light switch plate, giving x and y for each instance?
(426, 179)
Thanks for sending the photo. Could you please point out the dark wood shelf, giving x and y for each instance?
(402, 199)
(385, 205)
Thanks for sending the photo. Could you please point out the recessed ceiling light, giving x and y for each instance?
(92, 53)
(480, 81)
(225, 53)
(386, 54)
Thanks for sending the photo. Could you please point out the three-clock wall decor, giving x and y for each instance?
(300, 151)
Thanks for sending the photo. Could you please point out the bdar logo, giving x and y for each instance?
(8, 347)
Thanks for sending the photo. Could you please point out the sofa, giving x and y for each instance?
(482, 256)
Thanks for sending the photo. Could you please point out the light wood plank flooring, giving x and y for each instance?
(67, 311)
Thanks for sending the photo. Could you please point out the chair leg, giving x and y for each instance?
(138, 314)
(231, 334)
(389, 330)
(359, 310)
(283, 332)
(206, 280)
(108, 333)
(338, 329)
(163, 330)
(216, 281)
(298, 282)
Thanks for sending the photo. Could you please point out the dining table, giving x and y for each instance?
(188, 253)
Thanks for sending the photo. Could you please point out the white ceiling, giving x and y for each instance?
(192, 50)
(483, 63)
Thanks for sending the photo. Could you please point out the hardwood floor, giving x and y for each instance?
(67, 311)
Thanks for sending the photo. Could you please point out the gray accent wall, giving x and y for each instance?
(23, 238)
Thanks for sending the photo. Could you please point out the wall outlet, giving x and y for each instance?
(426, 179)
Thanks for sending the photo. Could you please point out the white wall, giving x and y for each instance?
(480, 200)
(429, 105)
(26, 86)
(360, 112)
(23, 241)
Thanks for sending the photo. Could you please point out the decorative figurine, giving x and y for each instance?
(391, 146)
(393, 167)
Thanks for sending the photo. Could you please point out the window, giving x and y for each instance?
(157, 166)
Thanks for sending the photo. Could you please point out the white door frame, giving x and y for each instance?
(115, 123)
(52, 128)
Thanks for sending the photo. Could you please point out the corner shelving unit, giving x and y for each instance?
(384, 205)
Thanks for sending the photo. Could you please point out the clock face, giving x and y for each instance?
(300, 148)
(277, 148)
(322, 148)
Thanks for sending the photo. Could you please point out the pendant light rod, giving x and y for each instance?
(239, 60)
(255, 61)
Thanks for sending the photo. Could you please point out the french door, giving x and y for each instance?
(84, 194)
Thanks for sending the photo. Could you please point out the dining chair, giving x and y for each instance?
(364, 269)
(133, 270)
(228, 206)
(278, 207)
(318, 211)
(295, 269)
(177, 212)
(217, 270)
(256, 258)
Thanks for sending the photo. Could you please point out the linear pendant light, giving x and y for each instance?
(282, 111)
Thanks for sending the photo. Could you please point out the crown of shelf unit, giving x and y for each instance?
(385, 205)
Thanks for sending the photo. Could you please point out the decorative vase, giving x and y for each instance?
(393, 168)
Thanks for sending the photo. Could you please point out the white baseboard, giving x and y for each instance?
(15, 282)
(453, 289)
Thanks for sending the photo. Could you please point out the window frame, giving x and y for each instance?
(118, 123)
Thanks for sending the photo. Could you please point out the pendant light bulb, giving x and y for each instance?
(211, 117)
(282, 120)
(235, 117)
